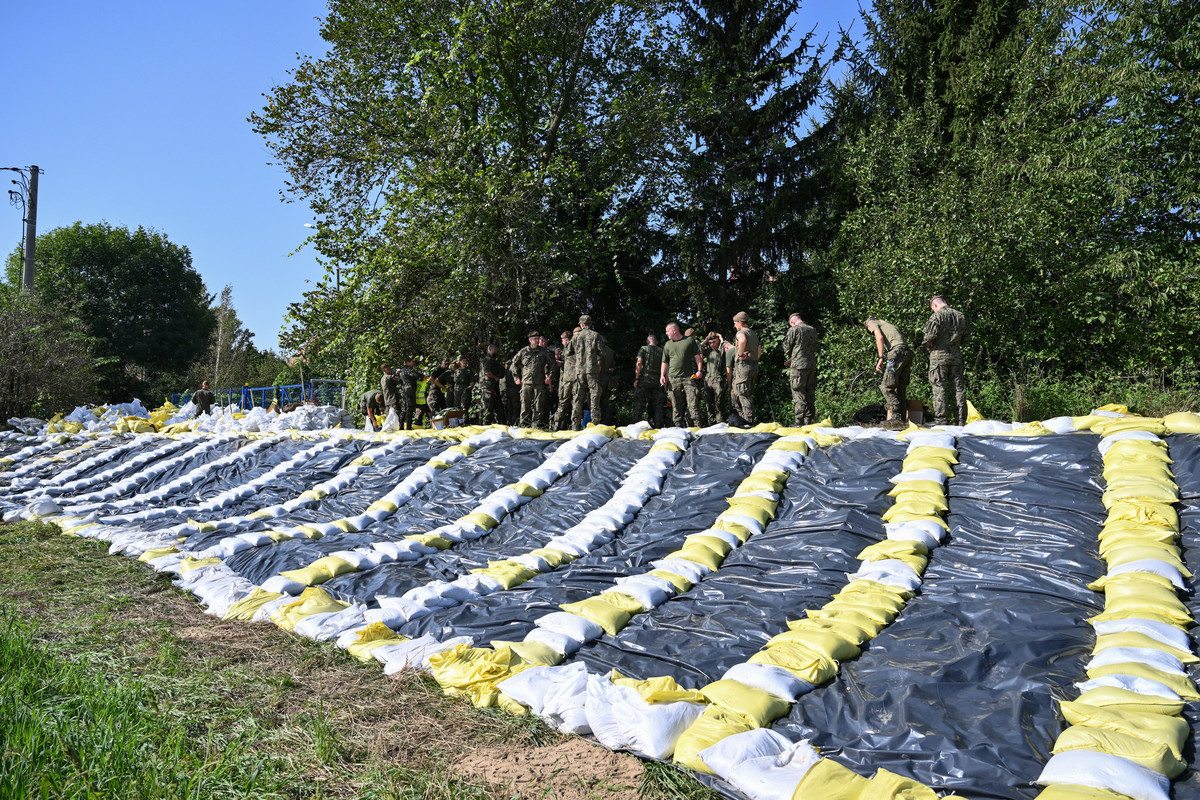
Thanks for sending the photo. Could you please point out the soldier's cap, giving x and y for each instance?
(532, 334)
(565, 335)
(741, 316)
(690, 332)
(585, 320)
(712, 337)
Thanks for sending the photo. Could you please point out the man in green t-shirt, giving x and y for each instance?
(372, 404)
(681, 362)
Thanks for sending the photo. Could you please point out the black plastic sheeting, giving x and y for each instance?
(828, 513)
(694, 493)
(183, 467)
(51, 469)
(959, 691)
(452, 494)
(1185, 452)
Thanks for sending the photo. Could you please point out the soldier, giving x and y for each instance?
(464, 380)
(586, 347)
(745, 368)
(409, 378)
(715, 380)
(440, 384)
(568, 386)
(800, 355)
(372, 404)
(945, 332)
(491, 374)
(389, 384)
(895, 362)
(647, 391)
(681, 362)
(203, 400)
(531, 372)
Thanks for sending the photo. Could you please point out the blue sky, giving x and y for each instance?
(136, 111)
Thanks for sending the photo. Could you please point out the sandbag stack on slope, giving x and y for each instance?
(1125, 734)
(754, 694)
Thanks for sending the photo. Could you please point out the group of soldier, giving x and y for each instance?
(695, 376)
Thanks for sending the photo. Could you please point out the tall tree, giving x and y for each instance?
(137, 295)
(477, 168)
(745, 181)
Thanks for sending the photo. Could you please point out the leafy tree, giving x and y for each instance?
(137, 295)
(46, 361)
(232, 360)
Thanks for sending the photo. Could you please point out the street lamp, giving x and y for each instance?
(26, 195)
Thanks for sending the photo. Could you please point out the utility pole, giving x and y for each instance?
(31, 228)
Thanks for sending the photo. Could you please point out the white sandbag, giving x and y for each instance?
(919, 475)
(771, 679)
(1159, 659)
(327, 626)
(438, 594)
(649, 596)
(270, 607)
(563, 702)
(621, 720)
(730, 539)
(765, 494)
(1108, 441)
(904, 532)
(889, 571)
(749, 523)
(568, 624)
(930, 439)
(1132, 683)
(1060, 424)
(478, 584)
(283, 585)
(785, 460)
(1153, 566)
(987, 427)
(1159, 631)
(413, 654)
(1103, 771)
(682, 567)
(761, 764)
(535, 563)
(558, 642)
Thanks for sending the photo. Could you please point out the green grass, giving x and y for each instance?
(113, 684)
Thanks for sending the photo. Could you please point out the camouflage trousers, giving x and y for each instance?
(741, 394)
(533, 405)
(714, 400)
(566, 403)
(684, 393)
(406, 409)
(648, 401)
(896, 375)
(804, 392)
(944, 379)
(492, 408)
(462, 398)
(587, 391)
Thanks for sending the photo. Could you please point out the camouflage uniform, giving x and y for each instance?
(714, 385)
(648, 391)
(390, 385)
(567, 388)
(408, 378)
(745, 371)
(532, 365)
(897, 371)
(945, 332)
(586, 347)
(435, 397)
(463, 381)
(800, 347)
(679, 358)
(489, 390)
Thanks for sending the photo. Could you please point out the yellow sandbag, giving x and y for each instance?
(1144, 511)
(714, 725)
(383, 505)
(1155, 728)
(778, 476)
(832, 645)
(829, 780)
(716, 544)
(1128, 552)
(371, 637)
(554, 558)
(887, 785)
(1122, 424)
(311, 601)
(795, 447)
(464, 666)
(248, 606)
(865, 590)
(508, 573)
(805, 664)
(485, 521)
(431, 540)
(534, 653)
(662, 689)
(188, 563)
(920, 488)
(915, 461)
(1124, 599)
(1181, 684)
(758, 707)
(916, 505)
(947, 454)
(319, 571)
(737, 529)
(756, 482)
(740, 501)
(911, 552)
(597, 609)
(740, 506)
(525, 489)
(877, 612)
(1136, 469)
(904, 516)
(627, 603)
(1131, 580)
(1182, 422)
(700, 555)
(1149, 449)
(680, 583)
(1030, 429)
(1157, 757)
(1134, 639)
(157, 552)
(847, 629)
(1131, 533)
(1153, 491)
(870, 626)
(1117, 699)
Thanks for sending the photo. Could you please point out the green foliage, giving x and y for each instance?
(46, 360)
(137, 295)
(231, 359)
